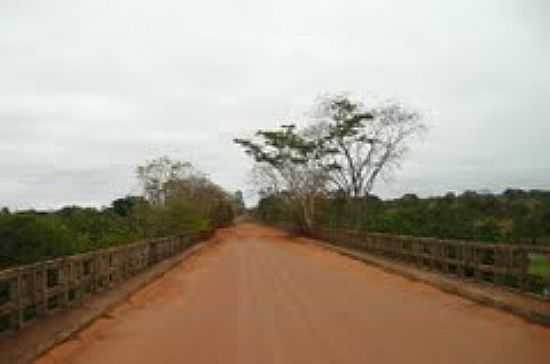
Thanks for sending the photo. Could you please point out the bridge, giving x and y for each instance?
(254, 294)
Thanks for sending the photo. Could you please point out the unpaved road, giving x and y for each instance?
(256, 297)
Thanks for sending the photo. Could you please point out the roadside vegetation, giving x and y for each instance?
(323, 174)
(176, 198)
(514, 216)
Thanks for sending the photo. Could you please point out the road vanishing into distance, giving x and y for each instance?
(255, 296)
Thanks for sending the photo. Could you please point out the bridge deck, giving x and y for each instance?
(256, 297)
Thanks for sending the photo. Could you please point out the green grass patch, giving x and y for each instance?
(539, 265)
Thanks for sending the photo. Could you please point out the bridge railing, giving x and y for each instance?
(524, 268)
(32, 291)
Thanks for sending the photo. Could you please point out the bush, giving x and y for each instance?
(27, 238)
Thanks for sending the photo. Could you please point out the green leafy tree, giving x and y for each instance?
(289, 159)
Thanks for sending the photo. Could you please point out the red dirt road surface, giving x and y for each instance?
(256, 296)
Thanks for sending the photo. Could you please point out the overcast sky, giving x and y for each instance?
(90, 89)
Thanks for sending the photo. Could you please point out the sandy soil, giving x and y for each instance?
(258, 297)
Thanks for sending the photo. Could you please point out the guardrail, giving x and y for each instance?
(37, 290)
(523, 268)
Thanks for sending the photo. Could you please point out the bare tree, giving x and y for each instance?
(157, 175)
(180, 190)
(361, 143)
(266, 179)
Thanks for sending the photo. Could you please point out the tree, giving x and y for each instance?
(362, 143)
(530, 224)
(238, 202)
(347, 148)
(125, 206)
(157, 174)
(29, 238)
(290, 161)
(177, 185)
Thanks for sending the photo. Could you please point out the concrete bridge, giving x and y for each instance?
(254, 295)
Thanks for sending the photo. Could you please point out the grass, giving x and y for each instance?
(539, 265)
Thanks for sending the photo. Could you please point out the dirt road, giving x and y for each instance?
(257, 297)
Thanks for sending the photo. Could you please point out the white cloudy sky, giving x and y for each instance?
(90, 89)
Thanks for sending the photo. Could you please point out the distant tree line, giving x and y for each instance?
(514, 216)
(176, 198)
